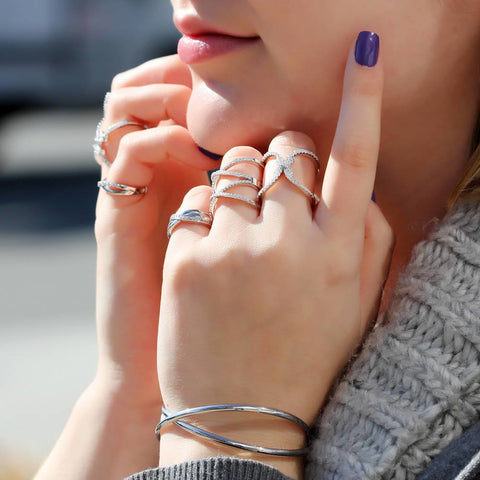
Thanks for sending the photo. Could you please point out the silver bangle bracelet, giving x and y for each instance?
(176, 418)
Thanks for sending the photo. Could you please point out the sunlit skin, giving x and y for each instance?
(292, 79)
(424, 92)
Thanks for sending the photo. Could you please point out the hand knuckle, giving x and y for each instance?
(129, 144)
(356, 154)
(115, 101)
(199, 192)
(120, 80)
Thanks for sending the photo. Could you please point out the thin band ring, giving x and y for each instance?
(223, 193)
(189, 216)
(120, 189)
(101, 137)
(235, 161)
(235, 196)
(231, 173)
(284, 166)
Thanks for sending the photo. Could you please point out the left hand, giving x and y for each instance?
(267, 306)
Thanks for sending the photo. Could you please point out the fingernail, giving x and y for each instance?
(213, 156)
(373, 197)
(366, 48)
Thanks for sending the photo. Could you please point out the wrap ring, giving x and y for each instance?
(120, 189)
(189, 216)
(101, 137)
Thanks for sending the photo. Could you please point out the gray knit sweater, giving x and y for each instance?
(415, 387)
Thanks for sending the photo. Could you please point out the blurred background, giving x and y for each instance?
(57, 58)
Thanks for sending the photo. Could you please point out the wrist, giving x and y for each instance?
(120, 394)
(102, 426)
(177, 445)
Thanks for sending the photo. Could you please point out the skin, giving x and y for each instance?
(291, 80)
(431, 86)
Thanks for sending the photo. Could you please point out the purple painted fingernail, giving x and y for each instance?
(373, 197)
(366, 48)
(213, 156)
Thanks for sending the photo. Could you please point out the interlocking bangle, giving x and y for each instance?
(176, 418)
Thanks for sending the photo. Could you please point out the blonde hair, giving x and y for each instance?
(468, 188)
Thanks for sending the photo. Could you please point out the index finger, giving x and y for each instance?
(169, 69)
(350, 173)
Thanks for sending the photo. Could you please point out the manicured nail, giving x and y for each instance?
(366, 48)
(213, 156)
(373, 197)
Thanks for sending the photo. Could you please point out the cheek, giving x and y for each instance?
(249, 98)
(221, 117)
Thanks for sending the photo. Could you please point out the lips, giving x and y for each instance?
(202, 41)
(198, 48)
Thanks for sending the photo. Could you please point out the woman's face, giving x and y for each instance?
(291, 76)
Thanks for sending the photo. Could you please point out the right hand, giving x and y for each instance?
(131, 231)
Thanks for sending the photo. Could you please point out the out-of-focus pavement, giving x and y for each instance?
(47, 278)
(47, 142)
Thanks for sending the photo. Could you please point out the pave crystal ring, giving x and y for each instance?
(284, 166)
(120, 189)
(189, 216)
(101, 137)
(243, 180)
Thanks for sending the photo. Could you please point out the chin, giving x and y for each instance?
(218, 124)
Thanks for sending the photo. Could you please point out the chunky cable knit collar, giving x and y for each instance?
(415, 387)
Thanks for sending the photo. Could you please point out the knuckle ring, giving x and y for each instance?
(284, 166)
(244, 180)
(189, 216)
(120, 189)
(248, 179)
(101, 137)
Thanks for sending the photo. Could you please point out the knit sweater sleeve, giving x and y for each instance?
(415, 387)
(215, 468)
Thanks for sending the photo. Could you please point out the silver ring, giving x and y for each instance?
(120, 189)
(284, 166)
(235, 161)
(190, 216)
(101, 137)
(223, 193)
(231, 173)
(245, 180)
(235, 196)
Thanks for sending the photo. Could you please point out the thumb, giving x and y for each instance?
(377, 254)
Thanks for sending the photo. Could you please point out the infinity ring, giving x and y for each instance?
(189, 216)
(120, 189)
(101, 137)
(284, 166)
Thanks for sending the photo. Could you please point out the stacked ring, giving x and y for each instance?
(244, 180)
